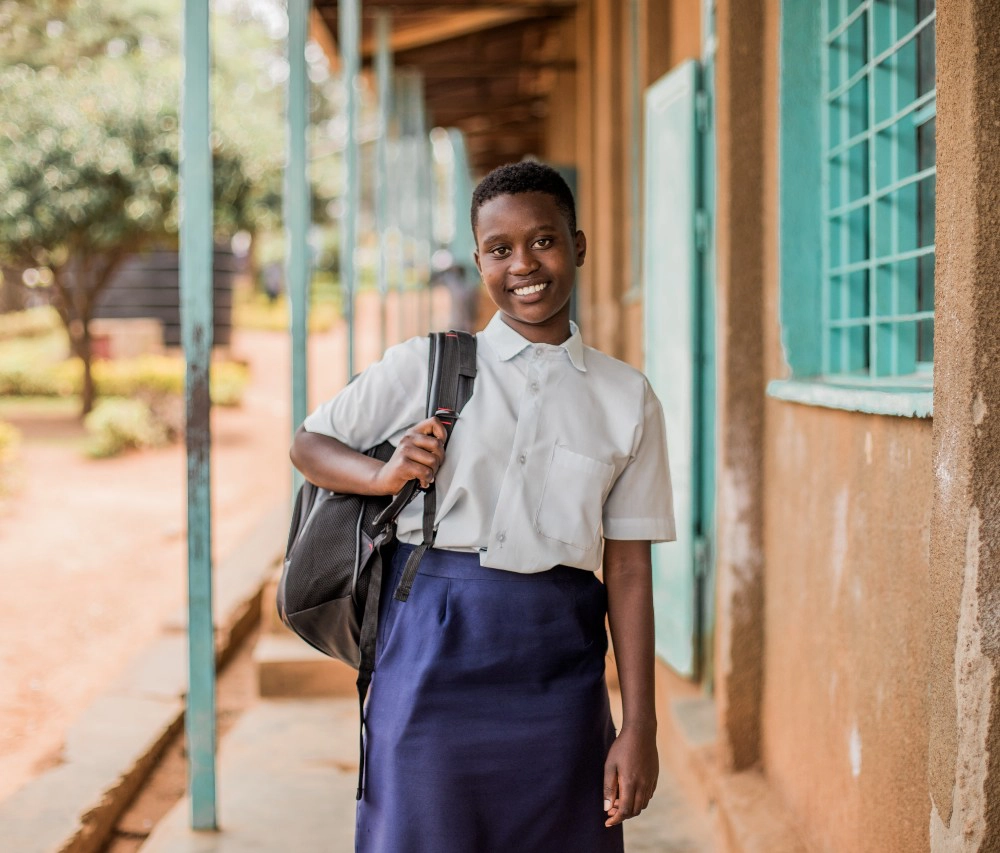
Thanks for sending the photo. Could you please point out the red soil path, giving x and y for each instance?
(93, 552)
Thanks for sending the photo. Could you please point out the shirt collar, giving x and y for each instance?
(507, 343)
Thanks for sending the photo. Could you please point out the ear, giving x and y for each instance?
(581, 248)
(479, 266)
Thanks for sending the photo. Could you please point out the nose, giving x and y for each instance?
(523, 262)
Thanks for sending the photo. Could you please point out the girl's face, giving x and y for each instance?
(528, 257)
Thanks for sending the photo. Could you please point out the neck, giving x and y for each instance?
(544, 333)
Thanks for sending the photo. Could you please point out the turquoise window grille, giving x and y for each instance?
(877, 135)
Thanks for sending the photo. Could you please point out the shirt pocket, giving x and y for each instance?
(573, 498)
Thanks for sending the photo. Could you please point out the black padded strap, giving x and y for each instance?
(366, 664)
(413, 561)
(449, 387)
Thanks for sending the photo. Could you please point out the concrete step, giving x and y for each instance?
(288, 772)
(287, 667)
(747, 814)
(270, 621)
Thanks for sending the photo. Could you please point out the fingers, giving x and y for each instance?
(624, 799)
(420, 452)
(611, 793)
(431, 426)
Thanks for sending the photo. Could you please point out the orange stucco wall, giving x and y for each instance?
(846, 564)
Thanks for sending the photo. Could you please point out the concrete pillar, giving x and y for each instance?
(607, 260)
(739, 639)
(963, 700)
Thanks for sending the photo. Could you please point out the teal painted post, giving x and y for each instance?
(462, 246)
(297, 206)
(800, 211)
(425, 188)
(348, 12)
(383, 73)
(707, 429)
(635, 151)
(196, 251)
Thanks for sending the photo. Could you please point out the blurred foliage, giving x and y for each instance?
(30, 323)
(89, 137)
(38, 367)
(145, 376)
(118, 424)
(254, 310)
(10, 439)
(258, 313)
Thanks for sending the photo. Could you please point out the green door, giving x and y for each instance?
(679, 333)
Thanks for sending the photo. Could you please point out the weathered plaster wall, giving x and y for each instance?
(846, 555)
(739, 633)
(845, 707)
(964, 766)
(611, 315)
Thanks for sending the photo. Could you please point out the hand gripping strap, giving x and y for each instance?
(449, 387)
(451, 373)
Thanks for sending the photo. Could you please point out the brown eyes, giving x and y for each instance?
(504, 251)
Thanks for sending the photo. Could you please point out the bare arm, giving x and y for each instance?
(632, 766)
(333, 465)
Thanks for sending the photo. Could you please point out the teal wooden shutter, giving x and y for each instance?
(673, 237)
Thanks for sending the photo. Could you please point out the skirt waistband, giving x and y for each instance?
(437, 562)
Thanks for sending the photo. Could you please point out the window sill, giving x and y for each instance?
(899, 400)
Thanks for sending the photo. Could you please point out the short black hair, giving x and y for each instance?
(527, 176)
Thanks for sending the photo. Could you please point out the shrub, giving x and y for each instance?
(147, 377)
(117, 424)
(30, 323)
(255, 312)
(10, 438)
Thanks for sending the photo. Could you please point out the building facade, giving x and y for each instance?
(848, 177)
(792, 209)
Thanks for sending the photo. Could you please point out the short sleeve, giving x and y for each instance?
(640, 504)
(380, 403)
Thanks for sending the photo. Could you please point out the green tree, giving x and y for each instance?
(88, 175)
(89, 151)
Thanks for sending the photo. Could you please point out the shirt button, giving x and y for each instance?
(538, 352)
(522, 458)
(501, 536)
(533, 387)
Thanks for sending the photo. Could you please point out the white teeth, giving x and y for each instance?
(534, 288)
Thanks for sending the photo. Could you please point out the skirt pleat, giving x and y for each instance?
(488, 720)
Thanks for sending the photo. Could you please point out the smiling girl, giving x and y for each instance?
(489, 728)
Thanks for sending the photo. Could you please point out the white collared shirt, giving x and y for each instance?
(558, 447)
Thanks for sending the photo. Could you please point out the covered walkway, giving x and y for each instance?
(287, 778)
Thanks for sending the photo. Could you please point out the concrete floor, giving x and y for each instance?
(287, 778)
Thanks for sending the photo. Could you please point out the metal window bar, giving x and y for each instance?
(887, 319)
(888, 53)
(880, 261)
(922, 109)
(866, 200)
(875, 188)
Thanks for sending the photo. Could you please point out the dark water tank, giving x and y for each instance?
(147, 284)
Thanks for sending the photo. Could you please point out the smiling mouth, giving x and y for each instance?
(527, 290)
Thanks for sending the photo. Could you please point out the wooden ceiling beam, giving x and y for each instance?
(475, 119)
(456, 110)
(468, 68)
(451, 26)
(443, 6)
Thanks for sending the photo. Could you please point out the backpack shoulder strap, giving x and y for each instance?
(452, 376)
(451, 372)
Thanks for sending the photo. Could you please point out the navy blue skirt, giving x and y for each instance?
(488, 720)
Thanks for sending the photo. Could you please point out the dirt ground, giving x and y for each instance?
(93, 552)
